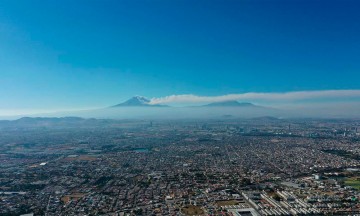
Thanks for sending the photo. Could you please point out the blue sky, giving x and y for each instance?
(86, 53)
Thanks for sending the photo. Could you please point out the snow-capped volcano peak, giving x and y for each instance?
(137, 101)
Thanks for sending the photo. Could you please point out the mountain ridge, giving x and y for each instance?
(230, 103)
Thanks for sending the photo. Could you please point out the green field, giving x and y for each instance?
(353, 182)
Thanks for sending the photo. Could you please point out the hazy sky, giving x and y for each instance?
(85, 53)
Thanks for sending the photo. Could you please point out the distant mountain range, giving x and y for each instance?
(139, 107)
(140, 101)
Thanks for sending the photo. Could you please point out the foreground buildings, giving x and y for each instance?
(261, 166)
